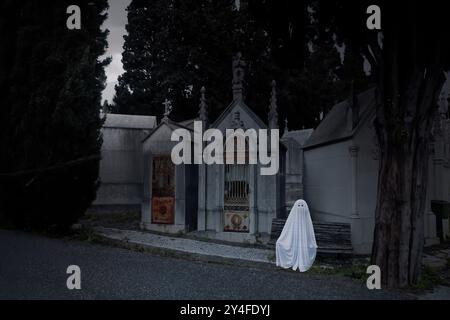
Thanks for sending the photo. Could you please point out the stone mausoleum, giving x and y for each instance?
(231, 202)
(341, 164)
(334, 168)
(121, 167)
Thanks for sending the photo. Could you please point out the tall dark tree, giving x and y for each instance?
(409, 65)
(173, 48)
(330, 70)
(51, 81)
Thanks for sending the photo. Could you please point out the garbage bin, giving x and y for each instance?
(442, 210)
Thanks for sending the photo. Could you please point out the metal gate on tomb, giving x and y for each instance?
(236, 198)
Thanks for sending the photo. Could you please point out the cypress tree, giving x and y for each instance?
(50, 121)
(173, 48)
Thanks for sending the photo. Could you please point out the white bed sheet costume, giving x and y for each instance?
(296, 247)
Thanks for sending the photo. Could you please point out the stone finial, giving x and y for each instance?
(167, 109)
(286, 128)
(203, 107)
(273, 112)
(238, 67)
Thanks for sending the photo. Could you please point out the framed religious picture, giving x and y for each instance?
(163, 210)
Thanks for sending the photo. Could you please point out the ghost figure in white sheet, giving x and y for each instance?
(296, 247)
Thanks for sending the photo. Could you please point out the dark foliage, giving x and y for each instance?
(173, 48)
(50, 90)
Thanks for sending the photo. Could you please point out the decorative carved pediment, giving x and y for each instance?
(236, 122)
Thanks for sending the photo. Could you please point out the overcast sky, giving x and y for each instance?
(117, 19)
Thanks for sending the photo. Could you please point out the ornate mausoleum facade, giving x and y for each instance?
(232, 202)
(334, 168)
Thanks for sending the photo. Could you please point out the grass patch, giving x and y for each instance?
(354, 271)
(272, 257)
(323, 270)
(115, 218)
(357, 272)
(429, 279)
(87, 235)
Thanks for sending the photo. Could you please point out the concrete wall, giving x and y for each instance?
(293, 175)
(327, 186)
(367, 158)
(214, 197)
(439, 182)
(121, 167)
(268, 202)
(341, 185)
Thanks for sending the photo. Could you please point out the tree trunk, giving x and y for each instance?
(408, 93)
(399, 231)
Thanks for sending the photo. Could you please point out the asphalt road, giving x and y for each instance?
(34, 267)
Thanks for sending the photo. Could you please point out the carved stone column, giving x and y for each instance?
(355, 219)
(202, 197)
(354, 181)
(202, 168)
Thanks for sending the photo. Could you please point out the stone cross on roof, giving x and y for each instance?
(286, 128)
(167, 109)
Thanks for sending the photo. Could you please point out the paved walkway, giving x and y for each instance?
(188, 245)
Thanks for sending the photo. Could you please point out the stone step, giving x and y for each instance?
(332, 238)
